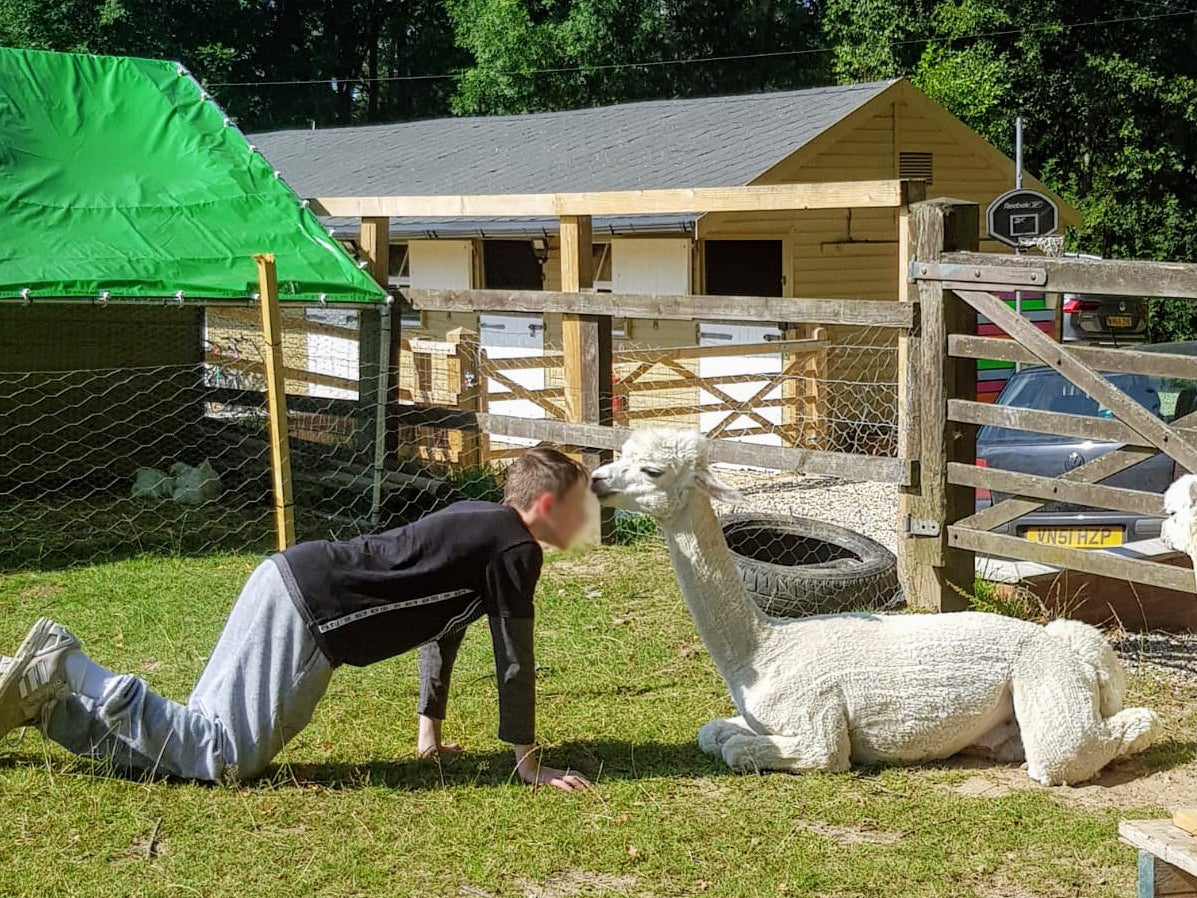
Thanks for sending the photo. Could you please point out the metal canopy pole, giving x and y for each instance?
(1018, 186)
(380, 411)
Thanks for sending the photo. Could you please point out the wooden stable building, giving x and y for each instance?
(855, 132)
(851, 133)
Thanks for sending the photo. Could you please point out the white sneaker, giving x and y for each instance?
(34, 676)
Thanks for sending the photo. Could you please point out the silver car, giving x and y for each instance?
(1104, 319)
(1059, 523)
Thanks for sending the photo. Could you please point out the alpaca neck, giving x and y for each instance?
(728, 621)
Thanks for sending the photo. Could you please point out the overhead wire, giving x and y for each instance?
(700, 60)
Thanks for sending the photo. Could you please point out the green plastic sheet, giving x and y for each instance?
(121, 176)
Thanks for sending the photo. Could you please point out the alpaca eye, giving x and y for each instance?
(652, 470)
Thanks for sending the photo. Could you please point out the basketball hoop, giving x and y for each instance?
(1050, 245)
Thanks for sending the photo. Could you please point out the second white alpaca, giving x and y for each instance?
(824, 692)
(1179, 532)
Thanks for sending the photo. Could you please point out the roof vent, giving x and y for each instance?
(915, 166)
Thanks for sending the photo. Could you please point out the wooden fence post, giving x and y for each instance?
(276, 402)
(803, 390)
(375, 240)
(793, 392)
(908, 361)
(936, 575)
(815, 397)
(586, 343)
(376, 373)
(469, 447)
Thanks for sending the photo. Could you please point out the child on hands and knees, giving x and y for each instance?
(304, 612)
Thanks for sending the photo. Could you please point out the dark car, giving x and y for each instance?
(1044, 389)
(1104, 319)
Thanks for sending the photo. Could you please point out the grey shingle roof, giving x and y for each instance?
(712, 142)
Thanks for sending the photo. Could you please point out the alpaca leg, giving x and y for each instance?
(1092, 647)
(711, 736)
(822, 744)
(1001, 745)
(1056, 701)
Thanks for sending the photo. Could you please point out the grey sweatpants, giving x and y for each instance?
(259, 689)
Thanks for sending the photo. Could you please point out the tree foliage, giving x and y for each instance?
(1108, 90)
(553, 54)
(1110, 107)
(355, 54)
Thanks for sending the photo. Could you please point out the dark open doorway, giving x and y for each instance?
(743, 267)
(511, 265)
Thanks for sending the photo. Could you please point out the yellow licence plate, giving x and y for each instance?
(1076, 537)
(1119, 321)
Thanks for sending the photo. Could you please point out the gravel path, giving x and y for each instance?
(868, 508)
(1172, 653)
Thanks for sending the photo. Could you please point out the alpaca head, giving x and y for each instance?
(1180, 504)
(659, 471)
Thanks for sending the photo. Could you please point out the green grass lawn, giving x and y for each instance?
(624, 685)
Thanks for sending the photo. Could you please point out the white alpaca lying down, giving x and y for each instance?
(823, 692)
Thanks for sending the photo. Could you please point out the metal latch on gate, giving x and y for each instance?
(921, 526)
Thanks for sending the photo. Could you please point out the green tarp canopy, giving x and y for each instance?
(121, 176)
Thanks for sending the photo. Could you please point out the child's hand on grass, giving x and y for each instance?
(428, 740)
(533, 773)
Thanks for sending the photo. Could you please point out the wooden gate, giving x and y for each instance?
(952, 289)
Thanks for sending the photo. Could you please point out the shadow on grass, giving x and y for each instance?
(601, 761)
(1166, 755)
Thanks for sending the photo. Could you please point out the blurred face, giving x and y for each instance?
(560, 520)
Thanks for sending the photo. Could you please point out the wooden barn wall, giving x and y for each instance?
(853, 253)
(92, 393)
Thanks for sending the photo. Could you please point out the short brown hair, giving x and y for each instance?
(540, 470)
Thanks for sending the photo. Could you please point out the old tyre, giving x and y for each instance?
(794, 567)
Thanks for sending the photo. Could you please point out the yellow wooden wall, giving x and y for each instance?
(854, 253)
(241, 327)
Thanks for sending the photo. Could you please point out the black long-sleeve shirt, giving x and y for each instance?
(376, 596)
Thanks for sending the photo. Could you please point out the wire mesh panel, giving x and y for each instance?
(133, 429)
(127, 430)
(831, 389)
(110, 445)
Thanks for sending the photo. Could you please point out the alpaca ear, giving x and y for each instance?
(717, 489)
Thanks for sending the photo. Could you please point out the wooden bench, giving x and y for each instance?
(1167, 858)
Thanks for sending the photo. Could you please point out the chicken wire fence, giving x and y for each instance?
(145, 431)
(132, 429)
(831, 389)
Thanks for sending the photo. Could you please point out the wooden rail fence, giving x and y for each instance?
(953, 287)
(649, 385)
